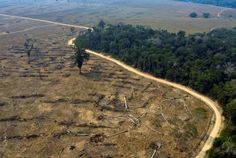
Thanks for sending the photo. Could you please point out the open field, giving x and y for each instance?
(49, 109)
(162, 14)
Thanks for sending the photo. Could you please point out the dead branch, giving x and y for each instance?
(162, 114)
(146, 87)
(135, 124)
(186, 106)
(126, 105)
(118, 133)
(153, 154)
(135, 120)
(155, 146)
(152, 129)
(143, 115)
(167, 99)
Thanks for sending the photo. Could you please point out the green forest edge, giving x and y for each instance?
(205, 62)
(222, 3)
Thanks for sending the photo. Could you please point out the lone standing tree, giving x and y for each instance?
(28, 47)
(206, 15)
(193, 15)
(80, 54)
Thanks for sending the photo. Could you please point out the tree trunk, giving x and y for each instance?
(28, 54)
(80, 72)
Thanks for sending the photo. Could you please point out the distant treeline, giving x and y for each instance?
(223, 3)
(204, 61)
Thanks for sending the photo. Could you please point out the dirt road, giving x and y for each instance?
(213, 105)
(45, 21)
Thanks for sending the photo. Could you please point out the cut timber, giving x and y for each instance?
(162, 114)
(116, 134)
(186, 106)
(135, 120)
(153, 154)
(126, 105)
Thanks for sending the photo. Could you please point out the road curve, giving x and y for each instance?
(45, 21)
(213, 105)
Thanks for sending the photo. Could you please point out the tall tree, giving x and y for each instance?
(80, 55)
(193, 15)
(28, 47)
(101, 24)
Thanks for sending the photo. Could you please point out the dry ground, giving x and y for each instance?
(159, 14)
(48, 110)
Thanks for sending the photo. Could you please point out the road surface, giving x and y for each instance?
(213, 105)
(45, 21)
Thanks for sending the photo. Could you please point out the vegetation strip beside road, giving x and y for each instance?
(213, 105)
(222, 3)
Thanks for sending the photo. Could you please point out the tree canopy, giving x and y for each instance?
(193, 15)
(204, 61)
(206, 15)
(80, 53)
(223, 3)
(29, 45)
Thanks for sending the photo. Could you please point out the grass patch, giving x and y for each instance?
(200, 113)
(191, 130)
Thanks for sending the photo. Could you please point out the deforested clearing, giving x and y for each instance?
(50, 110)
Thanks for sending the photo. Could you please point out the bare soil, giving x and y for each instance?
(49, 110)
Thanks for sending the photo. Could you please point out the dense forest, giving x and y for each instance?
(223, 3)
(204, 61)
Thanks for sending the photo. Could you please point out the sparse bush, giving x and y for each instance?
(200, 113)
(28, 45)
(80, 54)
(206, 15)
(193, 15)
(190, 130)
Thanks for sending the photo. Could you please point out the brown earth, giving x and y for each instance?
(49, 110)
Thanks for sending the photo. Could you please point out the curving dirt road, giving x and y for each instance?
(213, 105)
